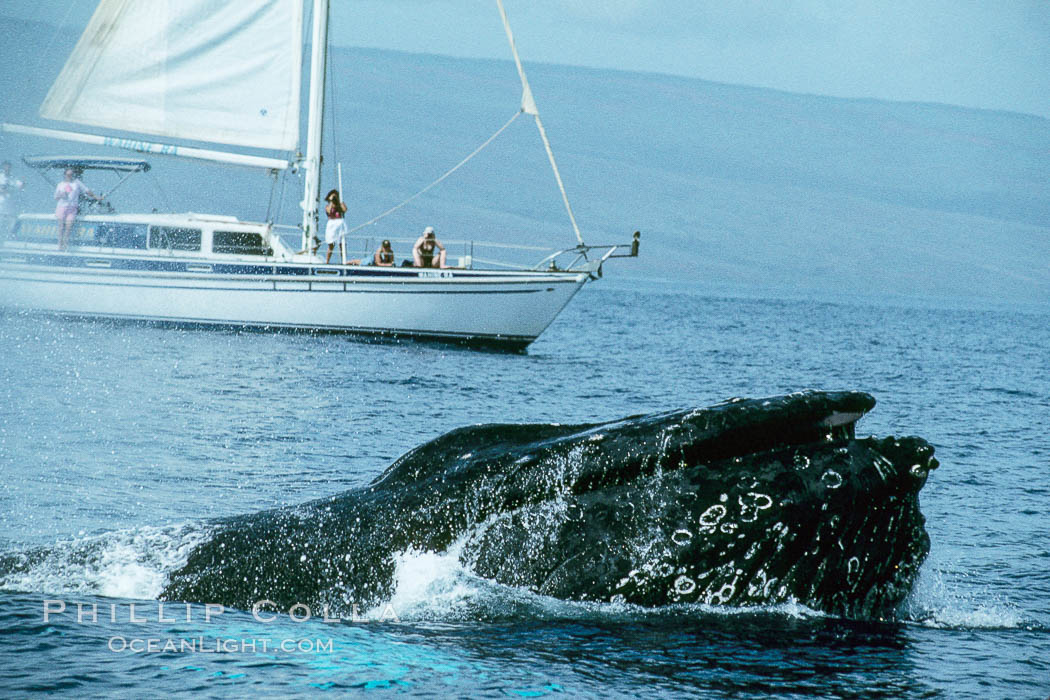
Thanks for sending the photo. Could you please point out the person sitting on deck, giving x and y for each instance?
(384, 256)
(428, 251)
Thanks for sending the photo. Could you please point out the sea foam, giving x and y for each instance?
(937, 601)
(130, 563)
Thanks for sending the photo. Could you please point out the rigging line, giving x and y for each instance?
(528, 104)
(160, 190)
(54, 36)
(433, 184)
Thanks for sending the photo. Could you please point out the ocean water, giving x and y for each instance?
(119, 444)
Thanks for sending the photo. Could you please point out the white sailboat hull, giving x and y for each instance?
(503, 308)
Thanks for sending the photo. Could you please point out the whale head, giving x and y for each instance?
(745, 503)
(748, 502)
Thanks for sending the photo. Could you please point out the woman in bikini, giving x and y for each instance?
(428, 251)
(335, 232)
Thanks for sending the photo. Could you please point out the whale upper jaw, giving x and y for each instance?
(735, 428)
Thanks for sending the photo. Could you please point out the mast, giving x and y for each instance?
(312, 163)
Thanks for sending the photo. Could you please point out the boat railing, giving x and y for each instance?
(590, 257)
(464, 253)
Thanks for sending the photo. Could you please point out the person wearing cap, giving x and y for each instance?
(428, 251)
(384, 256)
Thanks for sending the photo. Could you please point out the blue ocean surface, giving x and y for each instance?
(120, 445)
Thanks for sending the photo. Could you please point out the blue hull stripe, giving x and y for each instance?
(332, 287)
(275, 269)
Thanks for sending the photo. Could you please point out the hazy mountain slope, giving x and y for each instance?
(742, 189)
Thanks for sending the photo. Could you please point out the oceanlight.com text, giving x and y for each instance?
(218, 645)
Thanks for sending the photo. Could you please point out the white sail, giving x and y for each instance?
(206, 70)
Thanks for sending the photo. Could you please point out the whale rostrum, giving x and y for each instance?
(748, 502)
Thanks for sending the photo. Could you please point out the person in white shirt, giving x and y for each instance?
(68, 194)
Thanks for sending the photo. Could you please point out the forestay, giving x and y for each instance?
(204, 70)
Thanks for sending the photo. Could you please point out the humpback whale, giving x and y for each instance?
(748, 502)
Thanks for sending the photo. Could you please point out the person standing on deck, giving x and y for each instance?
(335, 231)
(68, 194)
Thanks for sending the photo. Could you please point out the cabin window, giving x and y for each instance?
(239, 243)
(106, 234)
(175, 238)
(115, 235)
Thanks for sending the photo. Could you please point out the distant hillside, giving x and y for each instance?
(743, 190)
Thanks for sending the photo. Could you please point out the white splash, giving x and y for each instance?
(122, 564)
(938, 602)
(432, 584)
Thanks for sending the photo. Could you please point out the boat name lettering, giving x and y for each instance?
(141, 146)
(435, 273)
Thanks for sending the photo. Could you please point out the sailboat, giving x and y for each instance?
(229, 74)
